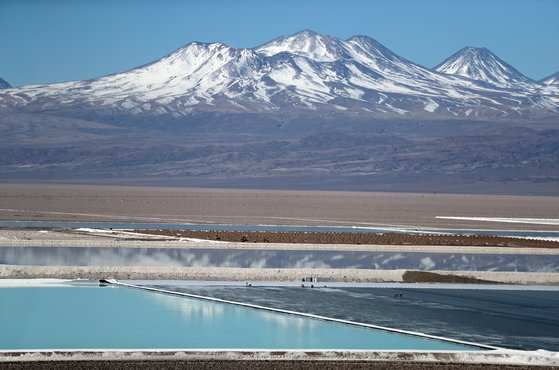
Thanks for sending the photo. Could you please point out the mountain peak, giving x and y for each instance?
(479, 63)
(4, 84)
(372, 46)
(363, 39)
(306, 43)
(196, 53)
(197, 47)
(307, 32)
(551, 80)
(475, 50)
(305, 71)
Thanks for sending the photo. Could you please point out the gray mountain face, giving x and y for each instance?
(305, 110)
(4, 84)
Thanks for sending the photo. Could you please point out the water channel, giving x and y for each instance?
(258, 258)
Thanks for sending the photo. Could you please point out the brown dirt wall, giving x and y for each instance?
(354, 238)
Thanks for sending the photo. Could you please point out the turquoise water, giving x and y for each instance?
(109, 317)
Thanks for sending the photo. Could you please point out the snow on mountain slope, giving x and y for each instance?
(198, 70)
(551, 85)
(4, 84)
(363, 61)
(306, 43)
(482, 65)
(305, 71)
(551, 80)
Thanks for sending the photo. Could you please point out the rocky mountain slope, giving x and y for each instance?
(301, 111)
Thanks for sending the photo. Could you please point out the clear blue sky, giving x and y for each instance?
(62, 40)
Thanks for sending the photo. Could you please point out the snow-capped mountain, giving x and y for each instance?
(303, 72)
(307, 43)
(305, 110)
(4, 84)
(551, 80)
(482, 65)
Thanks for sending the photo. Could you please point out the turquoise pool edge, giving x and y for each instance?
(308, 315)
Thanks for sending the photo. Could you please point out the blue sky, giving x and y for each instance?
(63, 40)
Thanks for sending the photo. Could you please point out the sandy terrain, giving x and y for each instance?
(141, 204)
(174, 205)
(264, 274)
(195, 273)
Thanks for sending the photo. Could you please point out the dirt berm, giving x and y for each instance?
(354, 238)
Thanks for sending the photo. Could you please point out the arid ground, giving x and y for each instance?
(188, 205)
(303, 237)
(176, 205)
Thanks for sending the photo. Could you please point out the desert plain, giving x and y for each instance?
(78, 202)
(123, 204)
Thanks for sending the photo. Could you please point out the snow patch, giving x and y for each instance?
(431, 106)
(427, 263)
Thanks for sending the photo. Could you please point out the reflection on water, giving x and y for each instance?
(246, 258)
(288, 322)
(74, 317)
(520, 319)
(190, 309)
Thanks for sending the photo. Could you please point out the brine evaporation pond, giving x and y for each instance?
(248, 258)
(514, 317)
(92, 317)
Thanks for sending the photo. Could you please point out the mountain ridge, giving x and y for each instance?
(305, 71)
(551, 79)
(483, 65)
(342, 114)
(4, 84)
